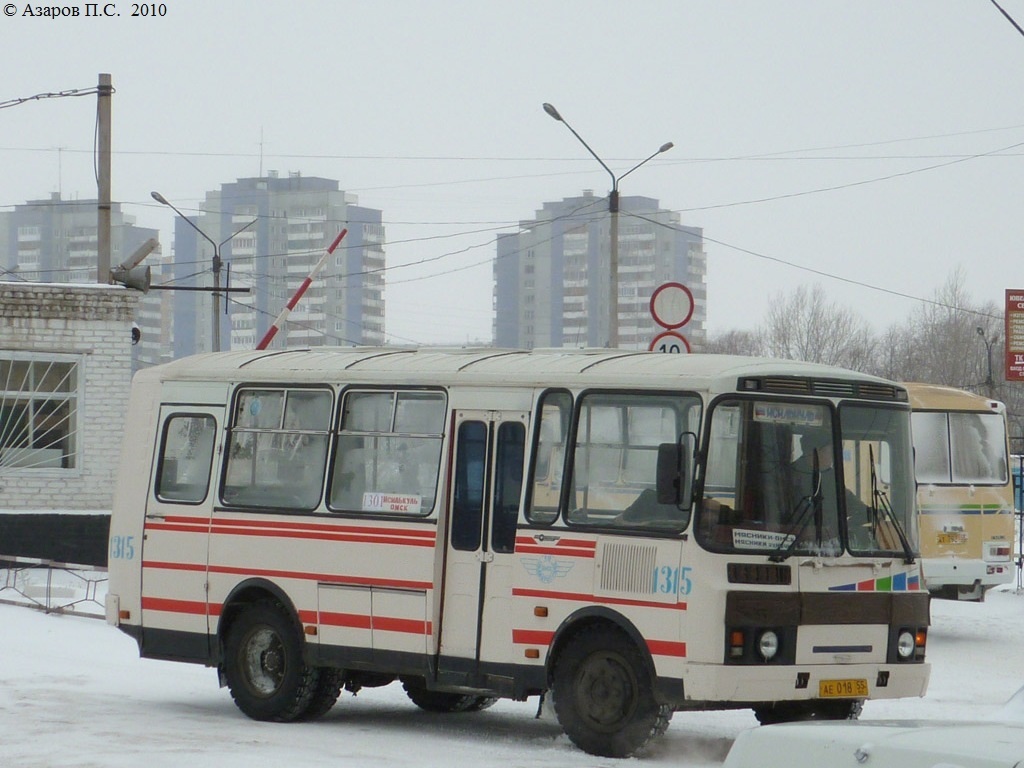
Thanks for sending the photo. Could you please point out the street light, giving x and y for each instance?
(613, 210)
(215, 325)
(989, 382)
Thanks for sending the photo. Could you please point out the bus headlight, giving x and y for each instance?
(905, 645)
(768, 644)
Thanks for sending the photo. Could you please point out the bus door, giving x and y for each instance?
(483, 511)
(177, 525)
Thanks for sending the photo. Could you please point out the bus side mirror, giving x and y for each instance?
(675, 462)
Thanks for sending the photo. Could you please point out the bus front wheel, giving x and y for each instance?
(604, 696)
(816, 709)
(263, 665)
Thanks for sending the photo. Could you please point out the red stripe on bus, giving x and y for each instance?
(555, 541)
(200, 567)
(409, 626)
(415, 533)
(204, 529)
(536, 549)
(330, 578)
(236, 528)
(353, 620)
(320, 536)
(587, 598)
(532, 637)
(167, 605)
(378, 623)
(667, 648)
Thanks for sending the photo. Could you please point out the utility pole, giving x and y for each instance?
(613, 213)
(215, 321)
(104, 91)
(990, 383)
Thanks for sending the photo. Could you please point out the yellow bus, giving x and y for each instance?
(964, 491)
(634, 533)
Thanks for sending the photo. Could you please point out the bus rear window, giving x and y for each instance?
(186, 454)
(954, 448)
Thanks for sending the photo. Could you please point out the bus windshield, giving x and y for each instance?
(960, 448)
(772, 483)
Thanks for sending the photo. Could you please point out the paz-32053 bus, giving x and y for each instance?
(965, 491)
(633, 533)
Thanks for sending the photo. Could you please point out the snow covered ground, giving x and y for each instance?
(73, 692)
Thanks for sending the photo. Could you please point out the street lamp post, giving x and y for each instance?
(613, 211)
(215, 324)
(990, 383)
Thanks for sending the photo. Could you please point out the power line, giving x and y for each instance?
(821, 272)
(1009, 18)
(91, 91)
(859, 183)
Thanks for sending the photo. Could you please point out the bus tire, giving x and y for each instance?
(604, 695)
(439, 701)
(325, 694)
(263, 664)
(793, 711)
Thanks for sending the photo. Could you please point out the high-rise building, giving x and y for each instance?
(284, 224)
(552, 278)
(55, 241)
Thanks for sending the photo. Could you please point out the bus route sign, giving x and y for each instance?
(1014, 334)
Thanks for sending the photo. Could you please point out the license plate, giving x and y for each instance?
(842, 689)
(952, 538)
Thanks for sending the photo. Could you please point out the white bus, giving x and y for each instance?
(965, 491)
(636, 533)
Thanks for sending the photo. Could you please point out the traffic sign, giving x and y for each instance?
(671, 342)
(672, 305)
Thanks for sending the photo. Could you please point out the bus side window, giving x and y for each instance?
(388, 452)
(186, 456)
(508, 485)
(277, 448)
(548, 457)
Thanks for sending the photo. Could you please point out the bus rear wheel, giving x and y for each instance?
(263, 665)
(439, 701)
(604, 696)
(325, 694)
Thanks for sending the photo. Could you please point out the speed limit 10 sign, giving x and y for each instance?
(671, 342)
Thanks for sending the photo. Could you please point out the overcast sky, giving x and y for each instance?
(816, 141)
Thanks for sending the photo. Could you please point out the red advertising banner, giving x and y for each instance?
(1015, 334)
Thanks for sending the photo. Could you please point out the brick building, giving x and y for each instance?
(65, 374)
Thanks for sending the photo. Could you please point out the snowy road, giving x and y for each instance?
(73, 692)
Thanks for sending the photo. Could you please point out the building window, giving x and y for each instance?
(39, 397)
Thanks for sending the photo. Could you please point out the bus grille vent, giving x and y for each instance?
(881, 391)
(833, 388)
(797, 385)
(627, 567)
(787, 386)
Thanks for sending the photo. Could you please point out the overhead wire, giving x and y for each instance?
(504, 225)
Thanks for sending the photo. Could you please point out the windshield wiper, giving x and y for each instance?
(881, 510)
(806, 510)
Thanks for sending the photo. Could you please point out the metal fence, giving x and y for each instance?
(53, 587)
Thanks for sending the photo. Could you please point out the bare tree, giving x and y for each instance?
(940, 342)
(745, 343)
(806, 326)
